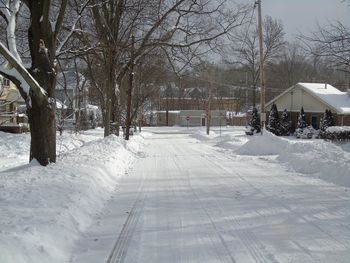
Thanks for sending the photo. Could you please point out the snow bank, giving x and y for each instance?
(45, 209)
(14, 148)
(317, 158)
(202, 135)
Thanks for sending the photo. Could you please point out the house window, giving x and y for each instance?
(6, 82)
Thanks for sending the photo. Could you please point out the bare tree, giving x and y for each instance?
(292, 66)
(331, 42)
(246, 49)
(178, 28)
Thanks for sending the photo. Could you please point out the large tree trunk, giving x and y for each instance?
(116, 114)
(41, 114)
(129, 92)
(128, 104)
(110, 87)
(43, 133)
(107, 118)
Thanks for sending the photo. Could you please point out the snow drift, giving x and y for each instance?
(45, 209)
(318, 158)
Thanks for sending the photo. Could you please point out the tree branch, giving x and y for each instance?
(60, 17)
(17, 71)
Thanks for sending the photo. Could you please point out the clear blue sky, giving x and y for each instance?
(303, 15)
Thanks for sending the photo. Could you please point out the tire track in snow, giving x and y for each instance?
(120, 248)
(223, 258)
(256, 249)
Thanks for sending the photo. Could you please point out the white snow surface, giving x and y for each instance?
(45, 209)
(316, 158)
(189, 197)
(223, 197)
(337, 99)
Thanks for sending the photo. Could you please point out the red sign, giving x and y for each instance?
(187, 118)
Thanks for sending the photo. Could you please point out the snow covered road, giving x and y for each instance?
(185, 201)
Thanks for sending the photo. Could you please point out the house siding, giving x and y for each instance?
(346, 120)
(297, 98)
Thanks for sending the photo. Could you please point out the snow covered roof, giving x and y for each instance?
(332, 97)
(338, 100)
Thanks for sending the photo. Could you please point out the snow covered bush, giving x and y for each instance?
(273, 124)
(303, 131)
(301, 119)
(306, 133)
(336, 133)
(326, 121)
(254, 123)
(285, 124)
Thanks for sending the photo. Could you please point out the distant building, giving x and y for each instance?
(12, 108)
(172, 98)
(237, 118)
(315, 98)
(227, 104)
(190, 118)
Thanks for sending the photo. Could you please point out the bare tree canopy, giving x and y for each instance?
(127, 31)
(331, 42)
(245, 48)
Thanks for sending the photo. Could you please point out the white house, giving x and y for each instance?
(315, 98)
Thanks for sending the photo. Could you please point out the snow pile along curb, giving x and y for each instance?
(45, 209)
(317, 158)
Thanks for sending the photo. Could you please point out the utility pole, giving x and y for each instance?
(262, 81)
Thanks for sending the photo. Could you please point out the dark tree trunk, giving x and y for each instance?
(43, 133)
(129, 92)
(41, 114)
(128, 104)
(110, 89)
(116, 115)
(107, 118)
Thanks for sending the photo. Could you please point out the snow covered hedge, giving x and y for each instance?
(336, 133)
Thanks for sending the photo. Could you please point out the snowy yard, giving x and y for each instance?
(176, 195)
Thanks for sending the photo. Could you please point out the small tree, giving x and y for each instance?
(327, 120)
(273, 123)
(254, 123)
(285, 123)
(304, 131)
(301, 119)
